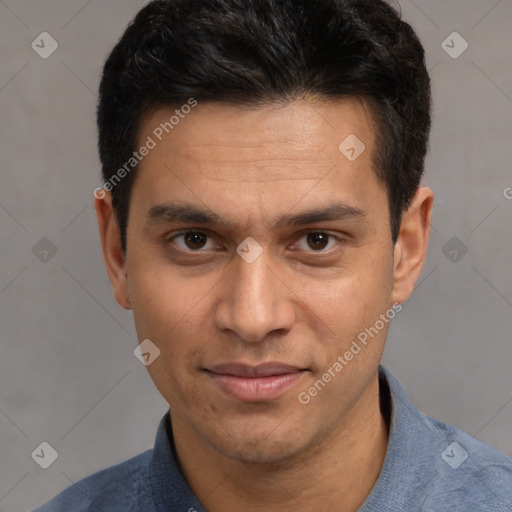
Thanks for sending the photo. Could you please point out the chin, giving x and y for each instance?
(261, 452)
(268, 444)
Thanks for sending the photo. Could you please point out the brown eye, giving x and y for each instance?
(318, 241)
(195, 240)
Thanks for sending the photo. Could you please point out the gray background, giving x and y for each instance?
(68, 375)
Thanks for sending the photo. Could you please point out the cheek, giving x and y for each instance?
(161, 298)
(354, 302)
(175, 314)
(156, 306)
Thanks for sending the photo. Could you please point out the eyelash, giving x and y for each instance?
(170, 239)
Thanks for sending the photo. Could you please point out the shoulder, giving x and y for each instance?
(432, 466)
(123, 487)
(469, 473)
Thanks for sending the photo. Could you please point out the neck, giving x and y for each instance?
(339, 472)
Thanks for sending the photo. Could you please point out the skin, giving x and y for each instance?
(297, 303)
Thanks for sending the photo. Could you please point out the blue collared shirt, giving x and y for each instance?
(429, 467)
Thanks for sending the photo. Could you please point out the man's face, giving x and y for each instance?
(325, 273)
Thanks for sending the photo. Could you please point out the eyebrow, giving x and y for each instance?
(186, 213)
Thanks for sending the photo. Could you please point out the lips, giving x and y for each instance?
(262, 370)
(259, 383)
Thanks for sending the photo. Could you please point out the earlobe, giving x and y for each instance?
(113, 255)
(412, 244)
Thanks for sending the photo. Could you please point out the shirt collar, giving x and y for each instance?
(407, 468)
(406, 465)
(170, 489)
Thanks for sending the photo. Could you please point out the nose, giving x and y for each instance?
(254, 301)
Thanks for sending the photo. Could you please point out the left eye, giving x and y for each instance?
(316, 241)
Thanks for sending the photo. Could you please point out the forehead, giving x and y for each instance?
(306, 131)
(267, 158)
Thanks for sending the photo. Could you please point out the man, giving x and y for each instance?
(262, 215)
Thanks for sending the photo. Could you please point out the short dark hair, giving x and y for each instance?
(257, 52)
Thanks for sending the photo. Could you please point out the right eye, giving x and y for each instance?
(191, 241)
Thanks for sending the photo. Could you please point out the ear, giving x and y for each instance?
(412, 244)
(115, 261)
